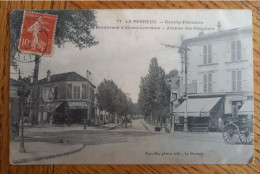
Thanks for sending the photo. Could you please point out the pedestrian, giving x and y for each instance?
(220, 124)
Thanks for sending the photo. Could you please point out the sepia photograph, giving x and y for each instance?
(131, 87)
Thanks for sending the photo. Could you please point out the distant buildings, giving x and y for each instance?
(219, 78)
(66, 98)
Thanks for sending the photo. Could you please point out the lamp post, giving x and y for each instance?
(22, 91)
(185, 124)
(85, 120)
(185, 49)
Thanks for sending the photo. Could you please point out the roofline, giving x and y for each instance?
(241, 93)
(214, 35)
(67, 80)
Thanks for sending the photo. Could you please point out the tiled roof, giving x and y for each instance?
(69, 76)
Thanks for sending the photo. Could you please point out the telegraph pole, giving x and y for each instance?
(35, 92)
(185, 49)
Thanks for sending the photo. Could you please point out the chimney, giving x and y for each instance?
(219, 26)
(88, 75)
(48, 76)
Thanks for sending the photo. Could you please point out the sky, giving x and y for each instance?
(124, 55)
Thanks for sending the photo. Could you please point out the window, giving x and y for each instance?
(207, 82)
(84, 87)
(76, 92)
(62, 91)
(56, 93)
(91, 94)
(44, 93)
(207, 54)
(87, 91)
(236, 80)
(236, 50)
(69, 91)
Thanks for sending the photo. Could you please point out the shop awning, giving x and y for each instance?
(49, 107)
(78, 105)
(247, 108)
(197, 107)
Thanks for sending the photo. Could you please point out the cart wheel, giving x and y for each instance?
(231, 133)
(246, 136)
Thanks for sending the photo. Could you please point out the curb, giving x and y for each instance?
(146, 127)
(27, 160)
(115, 127)
(149, 129)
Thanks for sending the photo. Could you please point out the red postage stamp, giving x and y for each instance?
(37, 33)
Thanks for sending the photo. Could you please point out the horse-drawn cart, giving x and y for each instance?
(238, 129)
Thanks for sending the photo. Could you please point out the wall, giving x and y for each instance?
(221, 66)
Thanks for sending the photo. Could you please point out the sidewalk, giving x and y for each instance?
(109, 126)
(151, 128)
(216, 135)
(189, 135)
(34, 153)
(60, 128)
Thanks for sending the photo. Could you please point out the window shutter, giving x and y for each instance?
(74, 92)
(239, 81)
(205, 54)
(205, 86)
(233, 50)
(84, 96)
(233, 80)
(209, 54)
(56, 93)
(238, 50)
(62, 91)
(87, 91)
(69, 91)
(209, 82)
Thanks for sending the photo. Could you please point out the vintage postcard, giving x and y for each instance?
(131, 87)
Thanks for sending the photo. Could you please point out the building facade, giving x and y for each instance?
(219, 77)
(66, 98)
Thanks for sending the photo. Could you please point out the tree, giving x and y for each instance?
(172, 73)
(113, 100)
(153, 92)
(72, 26)
(106, 96)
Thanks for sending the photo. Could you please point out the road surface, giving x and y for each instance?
(137, 144)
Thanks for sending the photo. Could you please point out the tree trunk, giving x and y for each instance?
(161, 121)
(35, 92)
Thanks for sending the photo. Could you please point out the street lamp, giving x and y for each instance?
(22, 91)
(85, 120)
